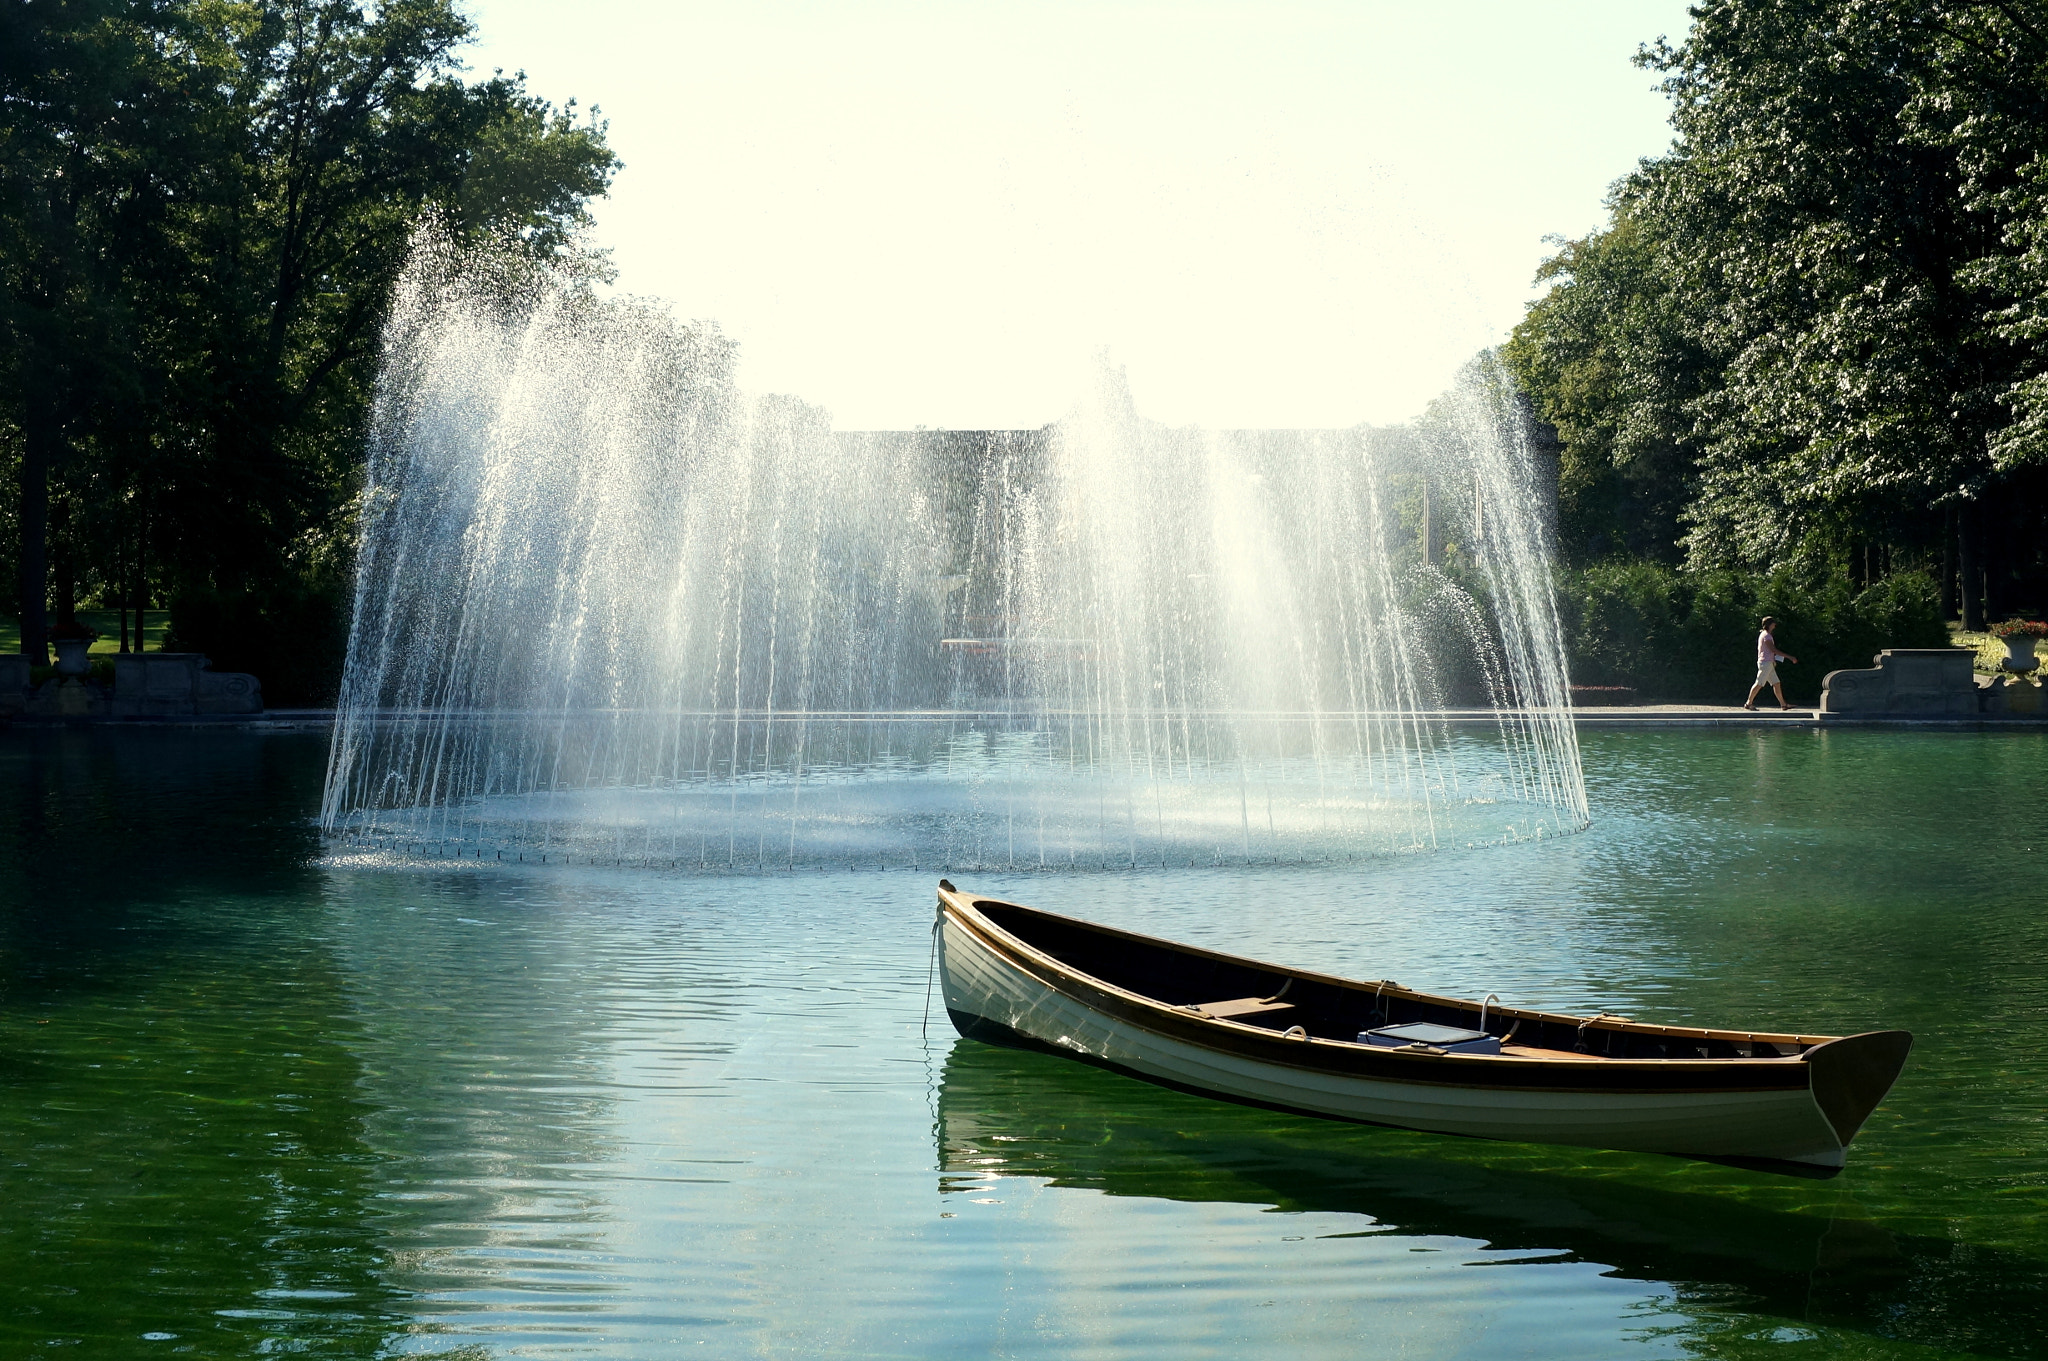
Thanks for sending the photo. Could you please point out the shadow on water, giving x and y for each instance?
(244, 1109)
(179, 1099)
(1013, 1112)
(103, 830)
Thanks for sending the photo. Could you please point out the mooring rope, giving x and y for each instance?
(931, 968)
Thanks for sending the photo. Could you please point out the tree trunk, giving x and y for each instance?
(142, 582)
(1969, 542)
(1948, 565)
(121, 585)
(1991, 592)
(40, 436)
(67, 575)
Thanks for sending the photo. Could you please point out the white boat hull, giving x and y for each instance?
(984, 988)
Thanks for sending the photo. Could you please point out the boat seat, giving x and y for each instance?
(1524, 1051)
(1241, 1007)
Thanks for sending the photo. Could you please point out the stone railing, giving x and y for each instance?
(146, 685)
(173, 684)
(1933, 682)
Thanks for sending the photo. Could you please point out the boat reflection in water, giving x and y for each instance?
(1730, 1245)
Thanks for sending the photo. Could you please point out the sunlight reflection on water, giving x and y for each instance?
(348, 1106)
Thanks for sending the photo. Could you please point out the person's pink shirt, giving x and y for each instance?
(1767, 651)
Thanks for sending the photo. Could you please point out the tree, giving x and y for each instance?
(1859, 376)
(347, 129)
(1989, 101)
(1822, 315)
(285, 152)
(1610, 358)
(92, 133)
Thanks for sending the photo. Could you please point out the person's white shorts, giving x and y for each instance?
(1767, 674)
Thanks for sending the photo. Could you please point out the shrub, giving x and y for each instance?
(1691, 636)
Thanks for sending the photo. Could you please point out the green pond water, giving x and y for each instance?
(253, 1101)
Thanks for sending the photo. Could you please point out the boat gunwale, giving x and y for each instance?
(965, 908)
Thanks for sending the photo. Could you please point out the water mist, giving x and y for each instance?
(611, 608)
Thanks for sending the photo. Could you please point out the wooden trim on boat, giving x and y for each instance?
(1524, 1069)
(1617, 1024)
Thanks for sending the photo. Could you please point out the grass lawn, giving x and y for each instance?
(1990, 651)
(107, 623)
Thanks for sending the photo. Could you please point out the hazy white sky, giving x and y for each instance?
(1273, 214)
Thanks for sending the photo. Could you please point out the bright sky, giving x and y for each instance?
(1272, 214)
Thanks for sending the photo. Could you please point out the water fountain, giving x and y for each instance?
(610, 608)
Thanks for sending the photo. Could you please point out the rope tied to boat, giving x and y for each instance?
(931, 967)
(1580, 1047)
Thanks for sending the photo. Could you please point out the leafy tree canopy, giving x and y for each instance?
(1819, 320)
(203, 206)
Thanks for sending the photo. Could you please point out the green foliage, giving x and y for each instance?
(1821, 320)
(1821, 228)
(1678, 635)
(2021, 274)
(203, 207)
(1608, 361)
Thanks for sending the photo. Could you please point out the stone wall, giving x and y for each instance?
(175, 684)
(146, 685)
(13, 684)
(1935, 682)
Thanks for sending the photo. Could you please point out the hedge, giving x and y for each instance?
(1692, 636)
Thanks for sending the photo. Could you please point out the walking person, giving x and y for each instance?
(1767, 659)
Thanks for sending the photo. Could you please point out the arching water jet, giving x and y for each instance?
(609, 606)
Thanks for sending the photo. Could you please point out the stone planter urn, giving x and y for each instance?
(2019, 652)
(71, 659)
(72, 641)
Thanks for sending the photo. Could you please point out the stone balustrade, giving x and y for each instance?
(174, 684)
(1933, 682)
(146, 685)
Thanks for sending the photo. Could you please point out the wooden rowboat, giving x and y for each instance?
(1383, 1054)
